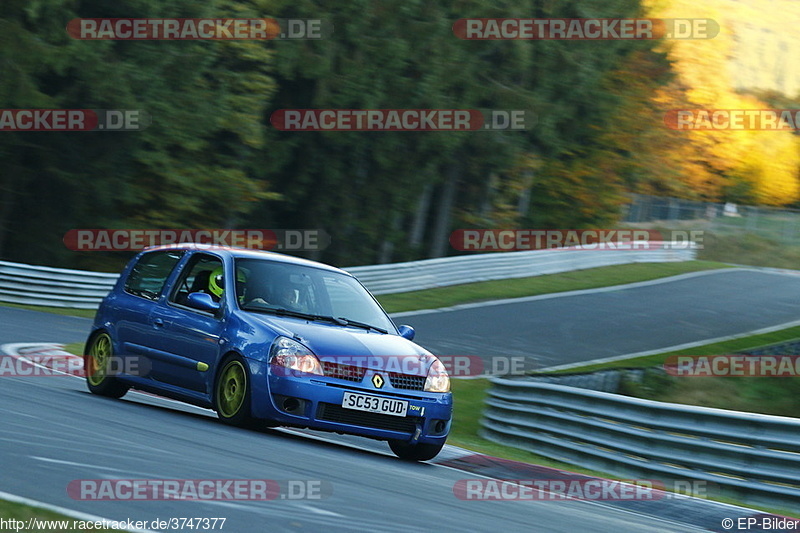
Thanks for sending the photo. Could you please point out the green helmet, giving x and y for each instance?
(216, 281)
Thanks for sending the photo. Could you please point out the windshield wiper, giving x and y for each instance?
(364, 325)
(281, 311)
(341, 321)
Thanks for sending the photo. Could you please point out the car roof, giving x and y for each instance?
(247, 253)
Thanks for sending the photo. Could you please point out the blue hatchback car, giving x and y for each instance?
(295, 343)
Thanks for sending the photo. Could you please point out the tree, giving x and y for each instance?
(190, 168)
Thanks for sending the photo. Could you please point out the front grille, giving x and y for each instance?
(336, 413)
(356, 374)
(406, 381)
(340, 371)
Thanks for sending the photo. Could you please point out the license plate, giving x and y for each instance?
(374, 404)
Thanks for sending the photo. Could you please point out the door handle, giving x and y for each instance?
(158, 323)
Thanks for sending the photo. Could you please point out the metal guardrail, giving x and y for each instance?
(752, 457)
(57, 287)
(54, 287)
(430, 273)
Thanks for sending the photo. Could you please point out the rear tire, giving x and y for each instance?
(99, 354)
(415, 452)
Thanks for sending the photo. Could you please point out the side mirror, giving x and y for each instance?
(407, 332)
(203, 302)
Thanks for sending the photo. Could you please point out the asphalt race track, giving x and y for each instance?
(555, 330)
(22, 325)
(52, 431)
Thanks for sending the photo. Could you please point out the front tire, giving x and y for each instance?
(415, 452)
(98, 356)
(232, 393)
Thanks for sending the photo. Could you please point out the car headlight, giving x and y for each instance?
(289, 353)
(438, 380)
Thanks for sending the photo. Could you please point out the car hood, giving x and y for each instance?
(354, 346)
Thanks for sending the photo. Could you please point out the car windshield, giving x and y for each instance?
(296, 290)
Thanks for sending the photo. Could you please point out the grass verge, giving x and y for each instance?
(724, 347)
(765, 395)
(86, 313)
(750, 249)
(44, 521)
(75, 348)
(764, 247)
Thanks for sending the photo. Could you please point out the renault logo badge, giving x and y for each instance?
(377, 380)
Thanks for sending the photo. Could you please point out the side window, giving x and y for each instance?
(197, 277)
(150, 273)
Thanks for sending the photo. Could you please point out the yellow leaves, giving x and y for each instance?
(773, 162)
(711, 74)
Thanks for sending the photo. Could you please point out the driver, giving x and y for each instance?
(287, 298)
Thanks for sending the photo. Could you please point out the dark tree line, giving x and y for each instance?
(211, 159)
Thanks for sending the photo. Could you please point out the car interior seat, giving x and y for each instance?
(200, 283)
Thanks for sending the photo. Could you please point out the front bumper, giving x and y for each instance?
(316, 402)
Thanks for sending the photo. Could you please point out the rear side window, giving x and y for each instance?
(150, 273)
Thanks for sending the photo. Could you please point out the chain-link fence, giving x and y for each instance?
(778, 224)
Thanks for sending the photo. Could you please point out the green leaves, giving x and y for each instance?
(191, 168)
